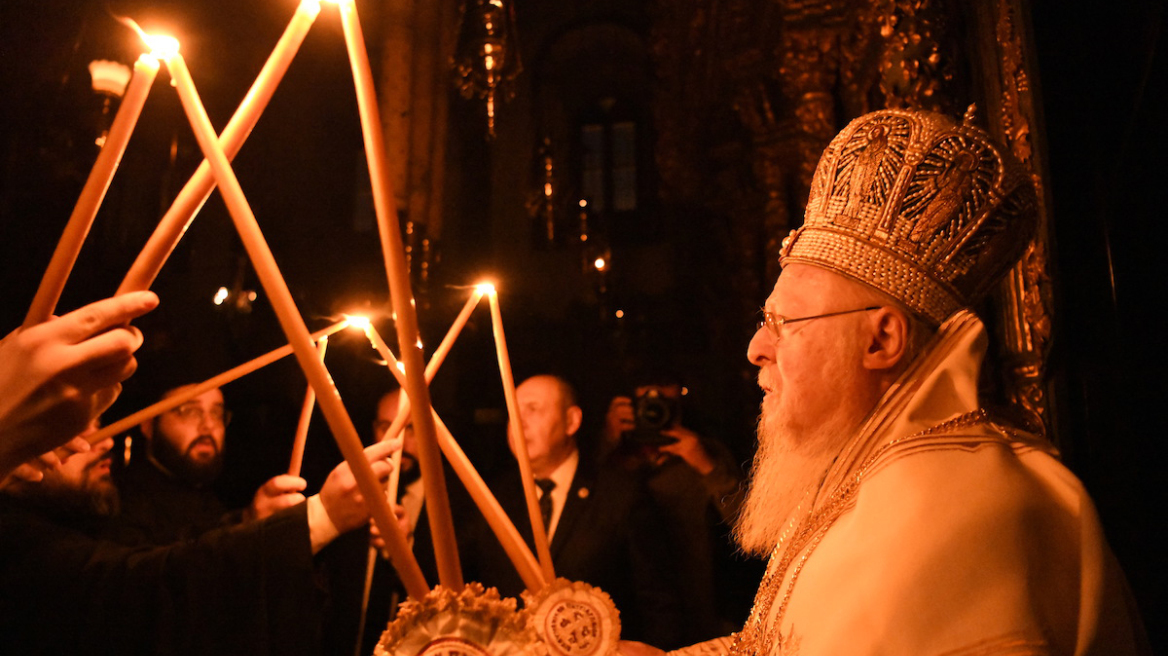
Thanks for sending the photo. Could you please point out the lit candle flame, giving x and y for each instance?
(485, 288)
(161, 46)
(357, 321)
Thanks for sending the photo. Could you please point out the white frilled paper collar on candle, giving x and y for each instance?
(474, 622)
(574, 619)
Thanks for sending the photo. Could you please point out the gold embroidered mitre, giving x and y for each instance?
(919, 207)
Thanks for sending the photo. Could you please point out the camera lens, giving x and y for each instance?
(653, 411)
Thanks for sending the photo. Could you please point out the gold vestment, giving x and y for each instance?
(940, 532)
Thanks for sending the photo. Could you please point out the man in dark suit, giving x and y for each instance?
(602, 526)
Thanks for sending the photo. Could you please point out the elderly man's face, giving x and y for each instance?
(813, 380)
(808, 371)
(549, 424)
(189, 439)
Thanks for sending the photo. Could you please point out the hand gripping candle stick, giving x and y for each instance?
(188, 202)
(93, 192)
(406, 319)
(293, 325)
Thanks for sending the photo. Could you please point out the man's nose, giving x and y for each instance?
(762, 347)
(206, 421)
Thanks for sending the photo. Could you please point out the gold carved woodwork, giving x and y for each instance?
(752, 91)
(1025, 301)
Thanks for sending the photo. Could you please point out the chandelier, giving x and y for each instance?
(487, 57)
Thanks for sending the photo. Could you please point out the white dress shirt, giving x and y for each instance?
(562, 476)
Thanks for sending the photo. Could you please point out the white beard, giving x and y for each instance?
(786, 475)
(792, 462)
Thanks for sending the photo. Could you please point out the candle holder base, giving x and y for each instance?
(574, 619)
(474, 622)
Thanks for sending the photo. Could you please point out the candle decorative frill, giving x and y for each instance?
(567, 618)
(92, 194)
(405, 312)
(293, 325)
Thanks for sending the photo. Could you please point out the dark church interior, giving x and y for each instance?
(627, 195)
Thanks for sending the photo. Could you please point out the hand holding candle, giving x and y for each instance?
(430, 460)
(293, 325)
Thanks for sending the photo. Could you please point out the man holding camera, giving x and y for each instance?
(603, 530)
(647, 431)
(696, 483)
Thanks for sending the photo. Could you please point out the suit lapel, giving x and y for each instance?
(575, 506)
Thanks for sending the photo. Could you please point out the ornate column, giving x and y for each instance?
(1025, 300)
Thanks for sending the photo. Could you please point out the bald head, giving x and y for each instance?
(550, 418)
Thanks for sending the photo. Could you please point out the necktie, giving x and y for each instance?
(545, 500)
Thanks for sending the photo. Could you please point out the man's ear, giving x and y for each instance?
(575, 416)
(889, 339)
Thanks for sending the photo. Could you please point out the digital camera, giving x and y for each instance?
(652, 413)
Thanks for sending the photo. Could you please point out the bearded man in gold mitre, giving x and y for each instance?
(899, 516)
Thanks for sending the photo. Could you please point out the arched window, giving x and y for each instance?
(608, 160)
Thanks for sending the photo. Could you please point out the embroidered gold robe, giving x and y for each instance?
(940, 532)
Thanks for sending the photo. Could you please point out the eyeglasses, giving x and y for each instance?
(193, 414)
(774, 322)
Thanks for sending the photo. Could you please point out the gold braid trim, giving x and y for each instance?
(760, 637)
